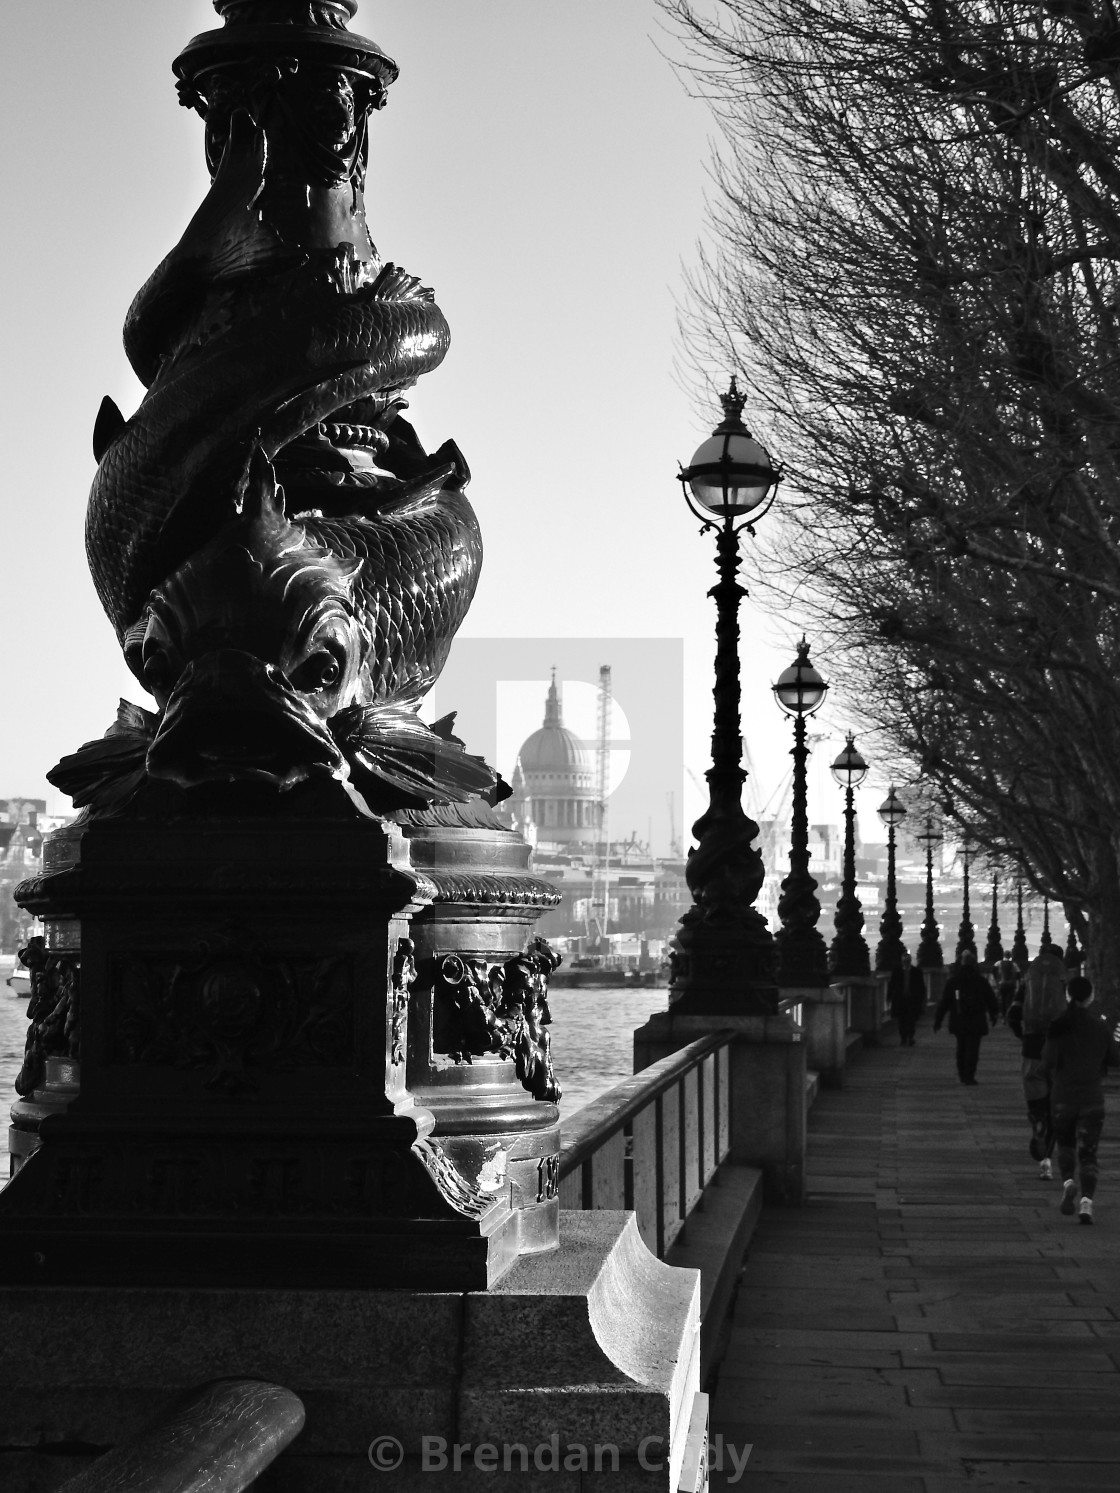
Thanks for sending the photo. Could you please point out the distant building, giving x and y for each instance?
(554, 782)
(555, 806)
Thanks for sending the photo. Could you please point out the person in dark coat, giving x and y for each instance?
(907, 994)
(1079, 1047)
(969, 1002)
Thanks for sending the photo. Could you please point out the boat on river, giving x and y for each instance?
(19, 982)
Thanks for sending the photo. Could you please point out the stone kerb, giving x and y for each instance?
(768, 1089)
(595, 1345)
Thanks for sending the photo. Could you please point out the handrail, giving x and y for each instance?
(218, 1439)
(602, 1119)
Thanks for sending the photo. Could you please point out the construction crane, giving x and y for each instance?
(674, 843)
(603, 789)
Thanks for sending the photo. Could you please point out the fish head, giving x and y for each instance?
(250, 648)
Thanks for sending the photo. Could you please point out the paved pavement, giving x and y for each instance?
(928, 1321)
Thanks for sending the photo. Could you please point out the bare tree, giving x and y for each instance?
(917, 271)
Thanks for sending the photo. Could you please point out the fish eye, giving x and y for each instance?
(320, 670)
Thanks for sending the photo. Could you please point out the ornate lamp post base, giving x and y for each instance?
(723, 968)
(249, 1028)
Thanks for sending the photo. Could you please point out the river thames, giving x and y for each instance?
(592, 1040)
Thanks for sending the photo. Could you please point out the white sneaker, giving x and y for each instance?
(1045, 1170)
(1085, 1211)
(1067, 1205)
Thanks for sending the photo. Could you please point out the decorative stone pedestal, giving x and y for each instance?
(580, 1362)
(865, 1006)
(824, 1030)
(768, 1103)
(243, 1116)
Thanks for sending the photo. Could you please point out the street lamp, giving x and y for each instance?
(723, 956)
(966, 933)
(848, 954)
(1019, 951)
(929, 949)
(993, 948)
(892, 811)
(802, 952)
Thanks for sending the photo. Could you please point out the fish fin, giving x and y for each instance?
(445, 726)
(258, 493)
(398, 762)
(107, 427)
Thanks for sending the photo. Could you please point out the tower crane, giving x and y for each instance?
(603, 789)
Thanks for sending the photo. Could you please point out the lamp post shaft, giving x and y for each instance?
(1019, 951)
(726, 776)
(724, 956)
(889, 953)
(929, 950)
(802, 952)
(849, 953)
(993, 948)
(966, 933)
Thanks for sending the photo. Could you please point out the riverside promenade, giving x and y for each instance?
(928, 1321)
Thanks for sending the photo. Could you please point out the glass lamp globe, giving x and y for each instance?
(800, 689)
(731, 474)
(849, 769)
(892, 811)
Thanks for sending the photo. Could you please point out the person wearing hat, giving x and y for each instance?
(1079, 1047)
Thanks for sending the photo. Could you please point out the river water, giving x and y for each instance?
(592, 1041)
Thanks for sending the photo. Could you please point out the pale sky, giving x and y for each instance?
(543, 168)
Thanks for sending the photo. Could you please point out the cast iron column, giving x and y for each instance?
(1019, 951)
(725, 870)
(993, 949)
(802, 952)
(929, 950)
(849, 954)
(890, 951)
(966, 933)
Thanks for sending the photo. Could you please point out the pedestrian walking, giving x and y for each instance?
(1009, 983)
(1078, 1049)
(1042, 999)
(969, 1002)
(907, 994)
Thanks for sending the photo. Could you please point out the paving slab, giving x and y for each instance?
(927, 1322)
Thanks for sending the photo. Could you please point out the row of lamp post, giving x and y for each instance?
(726, 957)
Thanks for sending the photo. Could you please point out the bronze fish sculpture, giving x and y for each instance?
(290, 627)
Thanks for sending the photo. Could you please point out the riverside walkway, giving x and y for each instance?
(928, 1321)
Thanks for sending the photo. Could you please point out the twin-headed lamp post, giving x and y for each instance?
(723, 958)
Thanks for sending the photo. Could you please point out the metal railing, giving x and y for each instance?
(653, 1143)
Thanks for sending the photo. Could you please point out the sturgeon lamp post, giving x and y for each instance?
(892, 811)
(966, 933)
(802, 951)
(929, 949)
(993, 948)
(849, 954)
(723, 957)
(1019, 951)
